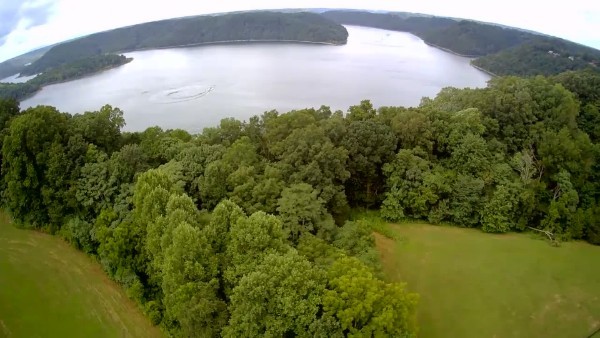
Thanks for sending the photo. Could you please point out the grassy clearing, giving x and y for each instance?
(49, 289)
(474, 284)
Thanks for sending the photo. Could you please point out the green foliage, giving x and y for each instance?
(280, 297)
(475, 39)
(541, 55)
(35, 170)
(407, 196)
(301, 210)
(367, 306)
(497, 214)
(356, 240)
(373, 219)
(250, 240)
(190, 284)
(370, 144)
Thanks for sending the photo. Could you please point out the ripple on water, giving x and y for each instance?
(181, 94)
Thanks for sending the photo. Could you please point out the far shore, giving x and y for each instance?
(484, 70)
(234, 42)
(129, 59)
(451, 51)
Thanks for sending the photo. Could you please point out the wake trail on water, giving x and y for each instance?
(181, 94)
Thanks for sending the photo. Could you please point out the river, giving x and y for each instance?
(195, 87)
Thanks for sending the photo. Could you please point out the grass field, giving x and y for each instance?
(49, 289)
(480, 285)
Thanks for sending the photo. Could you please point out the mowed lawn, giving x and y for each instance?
(480, 285)
(49, 289)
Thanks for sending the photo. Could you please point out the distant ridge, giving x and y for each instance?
(499, 49)
(259, 25)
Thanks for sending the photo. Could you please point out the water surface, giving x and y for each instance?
(196, 87)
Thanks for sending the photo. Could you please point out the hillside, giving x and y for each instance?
(404, 22)
(17, 64)
(541, 56)
(309, 27)
(49, 289)
(472, 38)
(65, 72)
(503, 50)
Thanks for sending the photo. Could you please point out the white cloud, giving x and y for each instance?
(577, 20)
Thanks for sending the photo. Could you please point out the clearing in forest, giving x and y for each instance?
(49, 289)
(474, 284)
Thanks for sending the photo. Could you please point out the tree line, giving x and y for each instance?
(245, 228)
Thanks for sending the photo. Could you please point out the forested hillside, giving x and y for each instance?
(195, 30)
(502, 50)
(244, 228)
(541, 56)
(476, 39)
(17, 64)
(64, 72)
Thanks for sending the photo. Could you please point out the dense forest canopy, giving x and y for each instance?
(246, 227)
(258, 25)
(502, 50)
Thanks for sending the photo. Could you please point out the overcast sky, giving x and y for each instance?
(29, 24)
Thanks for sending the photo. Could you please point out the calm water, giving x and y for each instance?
(193, 88)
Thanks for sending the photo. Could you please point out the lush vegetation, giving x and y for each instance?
(195, 30)
(246, 227)
(503, 50)
(473, 38)
(541, 56)
(49, 289)
(523, 287)
(65, 72)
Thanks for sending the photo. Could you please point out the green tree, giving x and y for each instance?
(370, 144)
(300, 209)
(102, 128)
(280, 297)
(499, 212)
(366, 306)
(407, 196)
(190, 284)
(250, 240)
(362, 112)
(33, 147)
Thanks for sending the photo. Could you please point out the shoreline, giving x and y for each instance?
(484, 70)
(473, 57)
(450, 51)
(235, 42)
(26, 97)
